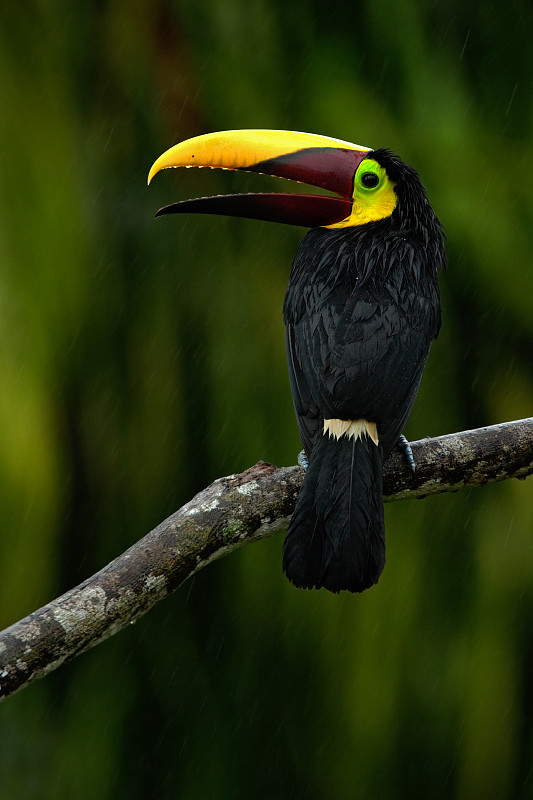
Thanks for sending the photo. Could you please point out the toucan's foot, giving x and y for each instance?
(405, 447)
(303, 461)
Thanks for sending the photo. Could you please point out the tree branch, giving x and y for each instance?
(227, 514)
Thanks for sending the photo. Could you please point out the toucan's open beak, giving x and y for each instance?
(315, 160)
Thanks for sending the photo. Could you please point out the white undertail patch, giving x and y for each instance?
(351, 427)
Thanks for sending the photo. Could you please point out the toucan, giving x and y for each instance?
(361, 310)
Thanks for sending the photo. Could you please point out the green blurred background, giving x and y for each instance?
(142, 359)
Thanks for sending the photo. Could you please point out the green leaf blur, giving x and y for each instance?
(143, 358)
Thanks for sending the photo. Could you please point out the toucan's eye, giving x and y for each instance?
(369, 180)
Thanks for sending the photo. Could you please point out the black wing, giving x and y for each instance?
(308, 415)
(357, 348)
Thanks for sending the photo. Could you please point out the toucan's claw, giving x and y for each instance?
(405, 447)
(303, 461)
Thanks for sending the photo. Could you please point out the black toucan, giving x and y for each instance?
(361, 310)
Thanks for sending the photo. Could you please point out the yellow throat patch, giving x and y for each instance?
(373, 195)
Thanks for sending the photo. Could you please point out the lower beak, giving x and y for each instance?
(307, 158)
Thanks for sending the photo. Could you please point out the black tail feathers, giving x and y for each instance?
(336, 538)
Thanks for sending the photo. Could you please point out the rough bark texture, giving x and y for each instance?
(232, 511)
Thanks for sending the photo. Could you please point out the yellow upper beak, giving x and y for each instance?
(243, 149)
